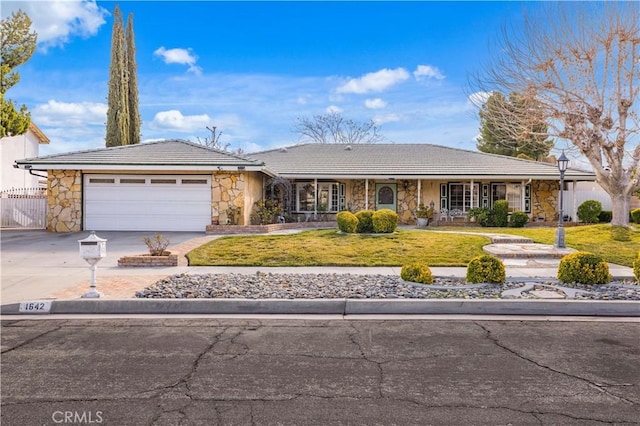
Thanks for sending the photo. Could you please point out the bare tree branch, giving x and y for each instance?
(333, 128)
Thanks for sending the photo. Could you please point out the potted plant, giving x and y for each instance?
(423, 214)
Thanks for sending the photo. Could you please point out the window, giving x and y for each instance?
(512, 192)
(330, 197)
(460, 196)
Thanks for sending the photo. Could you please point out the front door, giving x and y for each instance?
(386, 196)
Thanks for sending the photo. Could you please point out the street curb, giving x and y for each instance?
(336, 306)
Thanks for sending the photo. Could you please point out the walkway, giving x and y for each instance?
(522, 259)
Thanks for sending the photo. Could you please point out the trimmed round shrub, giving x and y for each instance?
(518, 219)
(365, 222)
(347, 222)
(636, 267)
(589, 211)
(584, 268)
(385, 221)
(605, 216)
(500, 213)
(486, 269)
(635, 215)
(417, 273)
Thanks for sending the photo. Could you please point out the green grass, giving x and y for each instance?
(597, 239)
(330, 248)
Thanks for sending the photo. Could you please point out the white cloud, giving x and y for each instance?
(55, 113)
(387, 118)
(374, 82)
(179, 56)
(423, 72)
(57, 21)
(479, 98)
(333, 109)
(376, 103)
(174, 120)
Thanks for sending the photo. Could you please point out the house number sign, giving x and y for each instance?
(36, 307)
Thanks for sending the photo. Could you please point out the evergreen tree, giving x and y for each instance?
(132, 72)
(17, 44)
(515, 133)
(123, 118)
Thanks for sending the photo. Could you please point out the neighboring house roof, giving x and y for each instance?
(42, 138)
(160, 155)
(404, 161)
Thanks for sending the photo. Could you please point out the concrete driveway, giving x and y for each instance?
(36, 263)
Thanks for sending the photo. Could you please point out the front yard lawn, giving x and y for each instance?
(328, 247)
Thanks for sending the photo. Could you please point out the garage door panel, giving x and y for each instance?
(111, 204)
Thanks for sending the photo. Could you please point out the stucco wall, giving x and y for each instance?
(18, 148)
(64, 201)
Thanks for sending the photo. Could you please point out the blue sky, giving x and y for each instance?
(252, 68)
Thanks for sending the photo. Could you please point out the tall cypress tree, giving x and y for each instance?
(132, 71)
(123, 118)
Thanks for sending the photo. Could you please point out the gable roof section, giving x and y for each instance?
(160, 155)
(404, 161)
(42, 138)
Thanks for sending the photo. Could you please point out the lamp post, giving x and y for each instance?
(563, 162)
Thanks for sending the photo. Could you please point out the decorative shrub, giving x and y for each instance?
(605, 216)
(486, 269)
(365, 222)
(589, 211)
(347, 222)
(157, 244)
(584, 268)
(500, 212)
(636, 267)
(264, 212)
(417, 273)
(518, 219)
(385, 221)
(635, 215)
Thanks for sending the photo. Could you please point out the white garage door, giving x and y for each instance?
(147, 202)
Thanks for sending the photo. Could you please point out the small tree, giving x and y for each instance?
(17, 44)
(333, 128)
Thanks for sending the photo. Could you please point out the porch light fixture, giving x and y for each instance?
(563, 162)
(405, 184)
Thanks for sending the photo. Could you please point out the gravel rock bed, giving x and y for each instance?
(352, 286)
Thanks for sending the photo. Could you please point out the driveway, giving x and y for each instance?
(37, 264)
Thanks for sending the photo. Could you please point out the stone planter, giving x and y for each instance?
(423, 221)
(146, 260)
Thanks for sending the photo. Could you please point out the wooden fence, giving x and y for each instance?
(23, 208)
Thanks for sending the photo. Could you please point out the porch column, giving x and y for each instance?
(523, 184)
(574, 201)
(471, 190)
(419, 189)
(315, 198)
(366, 194)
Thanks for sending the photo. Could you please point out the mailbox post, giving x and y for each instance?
(93, 249)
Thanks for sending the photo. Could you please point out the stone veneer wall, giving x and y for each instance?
(407, 200)
(64, 201)
(227, 190)
(544, 200)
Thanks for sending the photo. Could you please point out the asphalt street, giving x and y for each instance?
(208, 371)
